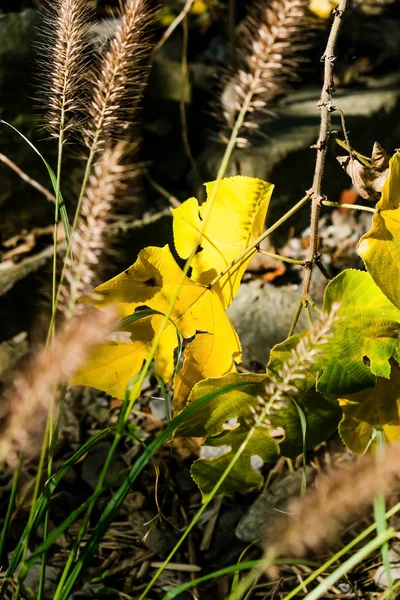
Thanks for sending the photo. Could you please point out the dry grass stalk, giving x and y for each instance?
(338, 497)
(269, 42)
(25, 407)
(68, 47)
(90, 237)
(121, 77)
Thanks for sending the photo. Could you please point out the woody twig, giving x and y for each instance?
(326, 106)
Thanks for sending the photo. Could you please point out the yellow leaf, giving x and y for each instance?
(199, 7)
(369, 410)
(203, 359)
(236, 219)
(380, 247)
(323, 8)
(152, 281)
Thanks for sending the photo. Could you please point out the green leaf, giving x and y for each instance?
(365, 337)
(211, 422)
(371, 410)
(380, 247)
(206, 473)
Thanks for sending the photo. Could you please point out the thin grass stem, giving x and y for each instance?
(10, 507)
(350, 563)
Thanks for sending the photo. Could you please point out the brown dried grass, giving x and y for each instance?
(120, 79)
(339, 496)
(25, 404)
(90, 239)
(65, 64)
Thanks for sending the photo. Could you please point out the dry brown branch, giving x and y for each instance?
(169, 31)
(120, 79)
(268, 53)
(326, 106)
(89, 239)
(25, 177)
(24, 407)
(338, 497)
(66, 72)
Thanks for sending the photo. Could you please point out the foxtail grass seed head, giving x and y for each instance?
(65, 64)
(25, 405)
(269, 42)
(121, 78)
(284, 383)
(90, 239)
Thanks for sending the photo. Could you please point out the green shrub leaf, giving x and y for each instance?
(365, 338)
(380, 247)
(370, 410)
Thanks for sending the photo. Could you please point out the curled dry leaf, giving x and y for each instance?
(368, 180)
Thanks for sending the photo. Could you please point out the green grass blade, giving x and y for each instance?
(10, 508)
(380, 515)
(350, 563)
(53, 179)
(303, 424)
(119, 496)
(44, 499)
(244, 566)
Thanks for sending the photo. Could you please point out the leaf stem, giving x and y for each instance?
(351, 206)
(257, 242)
(292, 261)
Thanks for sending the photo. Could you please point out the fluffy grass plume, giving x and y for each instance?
(339, 496)
(268, 48)
(25, 405)
(121, 78)
(90, 237)
(65, 63)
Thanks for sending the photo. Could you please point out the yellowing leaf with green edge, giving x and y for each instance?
(233, 222)
(370, 410)
(365, 337)
(380, 247)
(153, 281)
(323, 8)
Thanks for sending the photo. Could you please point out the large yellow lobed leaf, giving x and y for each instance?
(235, 220)
(152, 281)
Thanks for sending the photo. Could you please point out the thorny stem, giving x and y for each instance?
(327, 107)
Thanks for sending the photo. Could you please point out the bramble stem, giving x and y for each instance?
(326, 106)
